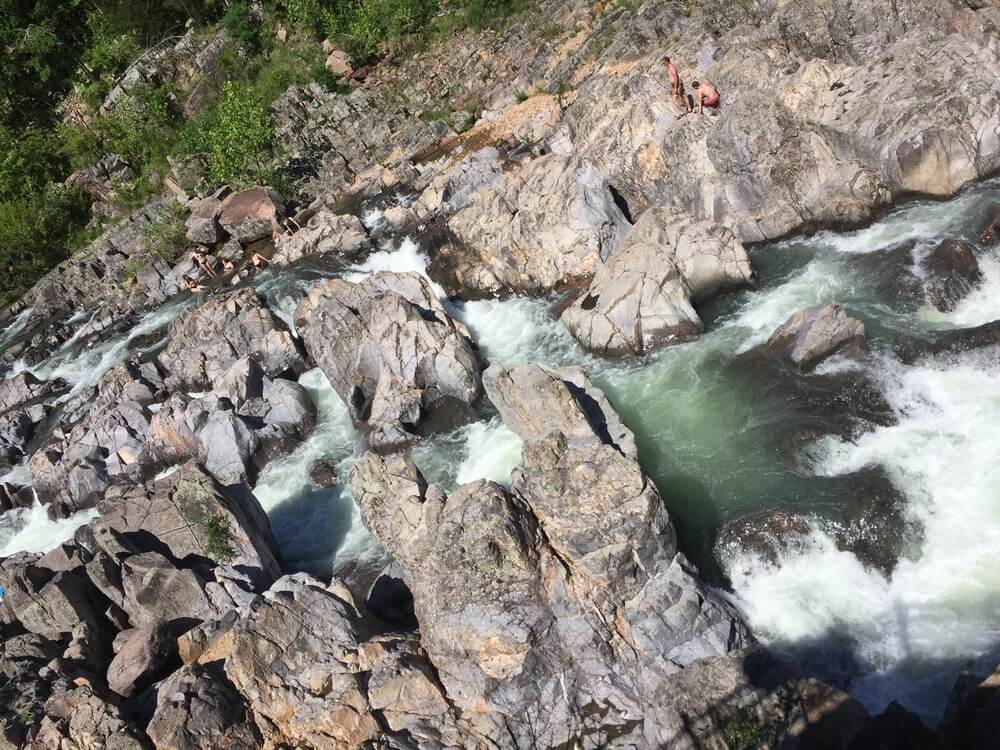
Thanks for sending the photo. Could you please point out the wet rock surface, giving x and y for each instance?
(812, 335)
(952, 271)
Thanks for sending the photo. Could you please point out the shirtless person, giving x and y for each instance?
(705, 95)
(676, 87)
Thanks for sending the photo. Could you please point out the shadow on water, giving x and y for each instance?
(311, 526)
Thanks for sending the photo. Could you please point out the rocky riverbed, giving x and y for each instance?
(588, 426)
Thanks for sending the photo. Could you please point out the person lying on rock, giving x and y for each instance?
(676, 87)
(192, 285)
(705, 95)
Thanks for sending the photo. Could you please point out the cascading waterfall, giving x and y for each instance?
(711, 439)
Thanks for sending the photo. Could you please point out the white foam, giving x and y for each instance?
(372, 218)
(84, 369)
(317, 526)
(924, 221)
(519, 330)
(19, 476)
(31, 529)
(14, 327)
(491, 452)
(941, 607)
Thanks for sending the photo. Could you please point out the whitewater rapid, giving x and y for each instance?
(711, 441)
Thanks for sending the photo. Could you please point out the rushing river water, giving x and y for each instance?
(715, 441)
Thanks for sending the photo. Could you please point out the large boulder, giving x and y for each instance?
(52, 605)
(206, 429)
(252, 214)
(390, 351)
(198, 709)
(814, 334)
(206, 341)
(83, 715)
(20, 389)
(566, 592)
(553, 221)
(144, 655)
(643, 296)
(155, 589)
(326, 233)
(202, 224)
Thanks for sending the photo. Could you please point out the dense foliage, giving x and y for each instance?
(63, 57)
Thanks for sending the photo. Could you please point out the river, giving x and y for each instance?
(715, 441)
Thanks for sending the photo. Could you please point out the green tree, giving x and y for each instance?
(241, 138)
(35, 232)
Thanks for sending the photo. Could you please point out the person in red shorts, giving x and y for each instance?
(705, 95)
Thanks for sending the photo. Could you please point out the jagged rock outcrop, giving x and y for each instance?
(552, 221)
(751, 700)
(390, 351)
(812, 335)
(568, 591)
(24, 404)
(206, 341)
(643, 296)
(95, 274)
(196, 709)
(202, 225)
(193, 516)
(326, 233)
(72, 471)
(143, 656)
(343, 684)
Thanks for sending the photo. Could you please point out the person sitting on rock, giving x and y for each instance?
(203, 264)
(259, 261)
(676, 87)
(705, 95)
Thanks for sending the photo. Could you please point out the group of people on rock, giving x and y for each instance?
(213, 267)
(704, 94)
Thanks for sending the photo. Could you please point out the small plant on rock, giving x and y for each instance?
(218, 538)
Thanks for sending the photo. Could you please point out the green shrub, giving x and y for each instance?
(29, 161)
(143, 126)
(241, 137)
(241, 26)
